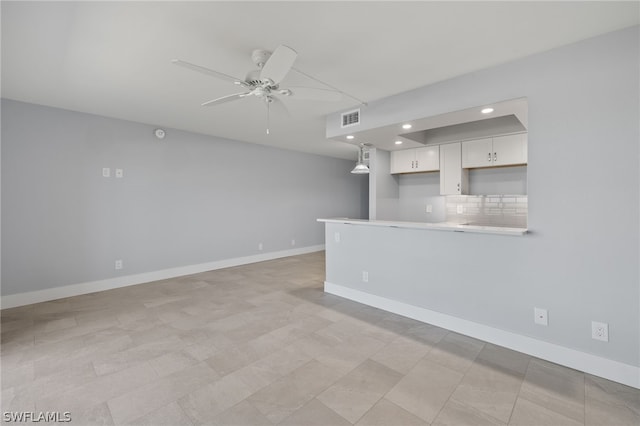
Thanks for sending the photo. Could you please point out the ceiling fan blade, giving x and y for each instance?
(278, 64)
(227, 98)
(208, 71)
(314, 94)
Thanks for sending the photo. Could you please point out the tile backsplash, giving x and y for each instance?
(487, 210)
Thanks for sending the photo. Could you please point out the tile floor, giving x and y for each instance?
(261, 345)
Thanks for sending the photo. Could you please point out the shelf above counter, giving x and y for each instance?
(440, 226)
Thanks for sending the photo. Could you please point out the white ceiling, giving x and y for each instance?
(113, 58)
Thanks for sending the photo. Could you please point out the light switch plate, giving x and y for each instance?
(106, 172)
(460, 209)
(119, 173)
(429, 208)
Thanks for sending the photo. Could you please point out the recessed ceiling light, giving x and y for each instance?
(406, 126)
(398, 142)
(350, 137)
(487, 110)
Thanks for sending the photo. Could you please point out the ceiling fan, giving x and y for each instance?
(264, 82)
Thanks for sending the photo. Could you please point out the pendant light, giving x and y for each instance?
(361, 168)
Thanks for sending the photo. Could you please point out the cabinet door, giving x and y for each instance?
(403, 161)
(453, 180)
(477, 153)
(427, 159)
(510, 149)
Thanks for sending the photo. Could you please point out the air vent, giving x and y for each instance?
(351, 118)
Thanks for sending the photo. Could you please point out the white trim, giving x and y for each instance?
(582, 361)
(27, 298)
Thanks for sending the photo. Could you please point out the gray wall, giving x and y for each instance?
(185, 200)
(581, 259)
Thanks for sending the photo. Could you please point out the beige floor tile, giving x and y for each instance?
(354, 394)
(280, 399)
(299, 328)
(489, 390)
(610, 403)
(556, 388)
(315, 413)
(54, 324)
(172, 362)
(401, 354)
(100, 390)
(504, 359)
(425, 389)
(456, 352)
(241, 414)
(136, 354)
(63, 381)
(17, 375)
(256, 376)
(210, 400)
(168, 415)
(426, 333)
(284, 361)
(18, 399)
(154, 395)
(455, 413)
(97, 415)
(386, 413)
(527, 413)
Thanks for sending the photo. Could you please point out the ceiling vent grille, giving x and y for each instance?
(351, 118)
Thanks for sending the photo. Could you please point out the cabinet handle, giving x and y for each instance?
(495, 156)
(416, 164)
(489, 157)
(458, 186)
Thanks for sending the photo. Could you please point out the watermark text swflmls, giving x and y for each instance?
(39, 416)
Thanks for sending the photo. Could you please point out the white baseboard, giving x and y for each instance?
(588, 363)
(27, 298)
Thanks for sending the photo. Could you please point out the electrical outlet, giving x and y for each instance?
(429, 208)
(600, 331)
(293, 242)
(460, 209)
(106, 172)
(336, 237)
(260, 246)
(365, 276)
(540, 316)
(119, 264)
(119, 173)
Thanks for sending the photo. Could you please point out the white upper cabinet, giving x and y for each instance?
(425, 159)
(496, 151)
(510, 149)
(453, 179)
(477, 153)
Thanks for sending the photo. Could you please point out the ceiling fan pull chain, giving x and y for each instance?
(268, 116)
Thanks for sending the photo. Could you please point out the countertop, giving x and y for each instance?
(440, 226)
